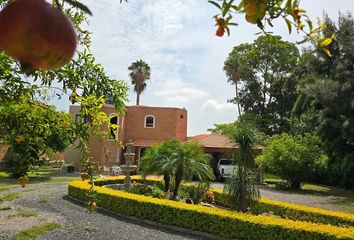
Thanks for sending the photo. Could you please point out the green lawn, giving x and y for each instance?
(42, 175)
(341, 197)
(36, 231)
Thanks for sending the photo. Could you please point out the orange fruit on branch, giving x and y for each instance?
(92, 206)
(251, 8)
(18, 138)
(37, 34)
(84, 176)
(23, 181)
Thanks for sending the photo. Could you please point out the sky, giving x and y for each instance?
(177, 39)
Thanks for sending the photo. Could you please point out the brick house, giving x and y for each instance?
(142, 125)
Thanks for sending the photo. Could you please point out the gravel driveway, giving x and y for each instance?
(329, 202)
(48, 200)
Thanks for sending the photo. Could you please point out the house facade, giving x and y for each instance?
(142, 125)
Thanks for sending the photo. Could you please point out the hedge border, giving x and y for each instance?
(283, 209)
(216, 221)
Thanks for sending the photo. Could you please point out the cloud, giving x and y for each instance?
(211, 105)
(177, 92)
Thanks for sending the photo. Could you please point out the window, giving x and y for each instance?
(78, 118)
(113, 127)
(149, 121)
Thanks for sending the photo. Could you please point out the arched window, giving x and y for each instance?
(113, 127)
(149, 121)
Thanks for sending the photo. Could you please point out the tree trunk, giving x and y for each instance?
(237, 100)
(295, 184)
(244, 201)
(166, 179)
(137, 98)
(178, 179)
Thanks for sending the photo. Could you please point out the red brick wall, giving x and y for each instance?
(102, 146)
(168, 123)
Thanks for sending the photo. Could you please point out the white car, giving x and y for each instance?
(224, 168)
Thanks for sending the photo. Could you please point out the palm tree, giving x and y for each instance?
(242, 187)
(155, 161)
(232, 71)
(178, 160)
(188, 161)
(139, 74)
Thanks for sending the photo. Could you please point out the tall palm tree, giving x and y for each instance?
(139, 74)
(232, 71)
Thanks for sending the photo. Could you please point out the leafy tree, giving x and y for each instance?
(268, 80)
(139, 74)
(329, 90)
(250, 119)
(32, 130)
(83, 80)
(241, 186)
(294, 158)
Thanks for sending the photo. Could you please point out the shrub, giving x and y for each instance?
(295, 159)
(241, 186)
(143, 189)
(197, 192)
(213, 220)
(209, 197)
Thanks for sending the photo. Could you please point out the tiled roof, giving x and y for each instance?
(215, 140)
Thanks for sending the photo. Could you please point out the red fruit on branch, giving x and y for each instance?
(220, 31)
(220, 22)
(37, 34)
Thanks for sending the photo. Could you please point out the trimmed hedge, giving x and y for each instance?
(212, 220)
(282, 209)
(295, 211)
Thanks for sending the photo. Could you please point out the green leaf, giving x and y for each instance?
(215, 4)
(226, 8)
(302, 41)
(233, 24)
(288, 23)
(309, 23)
(327, 52)
(80, 6)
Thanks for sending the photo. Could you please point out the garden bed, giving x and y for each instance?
(282, 209)
(217, 221)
